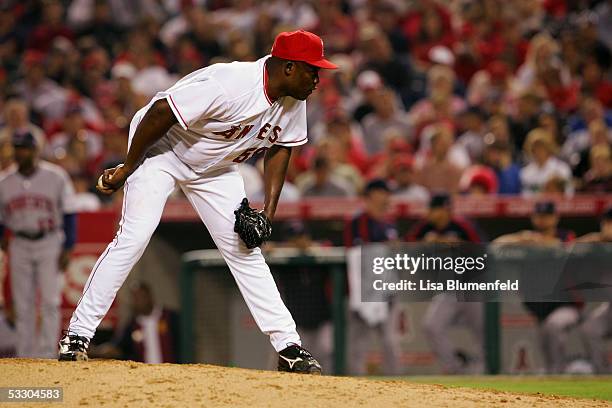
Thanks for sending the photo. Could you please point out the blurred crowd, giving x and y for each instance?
(462, 96)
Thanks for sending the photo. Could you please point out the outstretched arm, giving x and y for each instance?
(275, 169)
(153, 126)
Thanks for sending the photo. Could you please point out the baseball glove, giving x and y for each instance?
(252, 226)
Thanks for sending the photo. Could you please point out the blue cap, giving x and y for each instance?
(376, 184)
(545, 207)
(440, 200)
(24, 139)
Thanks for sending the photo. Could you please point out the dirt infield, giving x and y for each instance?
(128, 384)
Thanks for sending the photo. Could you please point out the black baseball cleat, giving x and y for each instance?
(73, 347)
(296, 359)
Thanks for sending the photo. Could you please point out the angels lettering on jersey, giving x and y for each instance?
(267, 132)
(225, 116)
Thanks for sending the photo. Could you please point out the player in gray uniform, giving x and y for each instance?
(597, 326)
(35, 205)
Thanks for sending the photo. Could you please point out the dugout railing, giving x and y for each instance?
(283, 260)
(332, 258)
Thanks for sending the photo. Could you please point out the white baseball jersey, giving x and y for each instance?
(225, 116)
(37, 203)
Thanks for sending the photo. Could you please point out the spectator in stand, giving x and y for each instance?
(555, 186)
(387, 15)
(545, 73)
(387, 115)
(335, 152)
(125, 13)
(348, 134)
(549, 121)
(440, 104)
(478, 180)
(263, 32)
(603, 12)
(594, 82)
(151, 74)
(369, 84)
(114, 149)
(102, 26)
(337, 29)
(293, 13)
(12, 38)
(51, 27)
(489, 88)
(44, 96)
(498, 155)
(587, 38)
(444, 311)
(74, 128)
(598, 179)
(427, 25)
(125, 96)
(381, 164)
(320, 182)
(590, 110)
(543, 165)
(571, 53)
(396, 71)
(555, 319)
(16, 118)
(434, 30)
(238, 48)
(93, 82)
(404, 185)
(63, 63)
(195, 25)
(473, 124)
(525, 119)
(84, 199)
(435, 170)
(576, 150)
(188, 59)
(499, 129)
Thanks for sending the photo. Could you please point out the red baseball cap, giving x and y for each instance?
(301, 46)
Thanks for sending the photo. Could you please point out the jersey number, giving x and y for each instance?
(248, 153)
(46, 224)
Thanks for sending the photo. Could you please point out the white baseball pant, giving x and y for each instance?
(554, 336)
(214, 195)
(445, 312)
(34, 269)
(596, 328)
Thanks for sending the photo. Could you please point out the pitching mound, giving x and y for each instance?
(127, 384)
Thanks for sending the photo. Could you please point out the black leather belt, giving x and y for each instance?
(32, 236)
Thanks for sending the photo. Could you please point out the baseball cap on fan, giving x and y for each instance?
(301, 46)
(545, 207)
(24, 139)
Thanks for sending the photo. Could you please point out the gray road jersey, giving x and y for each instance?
(36, 203)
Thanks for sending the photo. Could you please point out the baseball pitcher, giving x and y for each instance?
(193, 135)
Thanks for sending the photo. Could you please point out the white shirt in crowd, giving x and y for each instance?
(534, 177)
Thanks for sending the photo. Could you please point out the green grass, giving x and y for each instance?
(574, 386)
